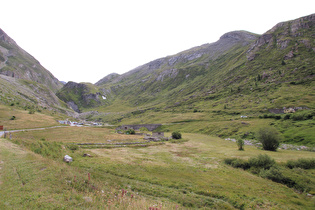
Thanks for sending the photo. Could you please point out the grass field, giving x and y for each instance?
(22, 119)
(190, 174)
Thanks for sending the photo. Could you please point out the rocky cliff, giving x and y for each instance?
(282, 35)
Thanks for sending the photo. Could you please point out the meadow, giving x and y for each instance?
(184, 175)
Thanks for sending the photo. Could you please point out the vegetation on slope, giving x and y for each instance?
(190, 174)
(249, 78)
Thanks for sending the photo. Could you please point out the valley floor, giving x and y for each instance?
(185, 175)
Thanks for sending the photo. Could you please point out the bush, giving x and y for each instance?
(143, 129)
(269, 138)
(131, 131)
(237, 163)
(261, 161)
(287, 116)
(176, 135)
(305, 163)
(276, 175)
(13, 118)
(240, 163)
(240, 144)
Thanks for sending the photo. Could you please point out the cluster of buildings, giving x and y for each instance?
(73, 123)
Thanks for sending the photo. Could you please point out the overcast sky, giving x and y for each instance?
(85, 40)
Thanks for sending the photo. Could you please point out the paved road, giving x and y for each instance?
(31, 129)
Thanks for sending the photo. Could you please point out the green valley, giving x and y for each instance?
(216, 95)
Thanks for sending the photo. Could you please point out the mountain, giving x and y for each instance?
(281, 55)
(207, 88)
(82, 95)
(177, 75)
(17, 63)
(239, 62)
(24, 82)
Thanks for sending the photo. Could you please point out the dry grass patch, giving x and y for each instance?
(23, 119)
(76, 135)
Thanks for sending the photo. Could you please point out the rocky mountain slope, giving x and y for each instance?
(24, 81)
(17, 63)
(238, 62)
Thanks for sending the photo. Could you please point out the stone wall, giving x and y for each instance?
(150, 127)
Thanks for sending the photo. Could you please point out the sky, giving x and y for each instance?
(85, 40)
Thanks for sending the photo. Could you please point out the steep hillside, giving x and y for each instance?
(24, 82)
(207, 88)
(167, 79)
(239, 63)
(17, 63)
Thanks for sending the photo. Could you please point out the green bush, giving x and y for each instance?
(176, 135)
(144, 129)
(297, 117)
(240, 144)
(287, 116)
(269, 137)
(305, 163)
(303, 115)
(240, 163)
(229, 161)
(13, 118)
(131, 131)
(237, 163)
(275, 174)
(261, 162)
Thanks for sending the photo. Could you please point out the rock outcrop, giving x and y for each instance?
(282, 34)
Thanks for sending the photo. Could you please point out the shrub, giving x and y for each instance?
(229, 161)
(269, 138)
(240, 163)
(143, 129)
(13, 118)
(240, 144)
(275, 174)
(297, 117)
(287, 116)
(176, 135)
(237, 163)
(305, 163)
(130, 131)
(261, 161)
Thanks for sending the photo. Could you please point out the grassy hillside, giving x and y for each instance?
(211, 89)
(190, 174)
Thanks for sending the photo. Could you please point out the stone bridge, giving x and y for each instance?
(150, 127)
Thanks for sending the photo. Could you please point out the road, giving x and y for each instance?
(31, 129)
